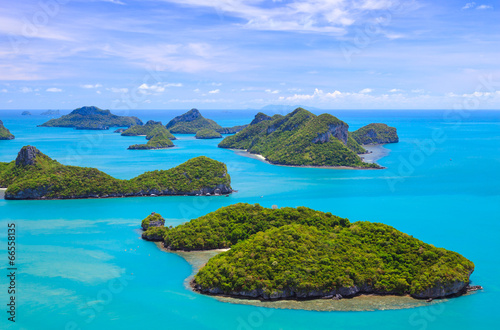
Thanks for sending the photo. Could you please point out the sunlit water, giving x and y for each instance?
(82, 264)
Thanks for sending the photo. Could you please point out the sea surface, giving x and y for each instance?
(81, 264)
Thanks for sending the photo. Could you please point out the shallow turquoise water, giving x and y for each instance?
(82, 264)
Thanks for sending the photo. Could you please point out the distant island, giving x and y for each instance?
(375, 134)
(5, 134)
(92, 118)
(26, 113)
(157, 135)
(300, 253)
(51, 113)
(193, 121)
(190, 123)
(147, 130)
(33, 175)
(207, 134)
(300, 139)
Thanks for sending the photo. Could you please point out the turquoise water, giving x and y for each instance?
(82, 265)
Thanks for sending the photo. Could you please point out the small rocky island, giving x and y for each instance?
(207, 134)
(34, 175)
(26, 113)
(300, 253)
(300, 139)
(92, 118)
(5, 134)
(192, 121)
(374, 134)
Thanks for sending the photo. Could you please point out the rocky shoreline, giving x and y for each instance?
(37, 194)
(455, 289)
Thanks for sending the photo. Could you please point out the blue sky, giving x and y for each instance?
(238, 54)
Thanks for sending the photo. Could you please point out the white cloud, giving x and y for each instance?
(197, 90)
(215, 91)
(53, 90)
(323, 16)
(116, 2)
(98, 92)
(469, 5)
(4, 90)
(272, 91)
(366, 91)
(91, 86)
(156, 88)
(118, 90)
(396, 90)
(216, 84)
(484, 7)
(26, 90)
(417, 91)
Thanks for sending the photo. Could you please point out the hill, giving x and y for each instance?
(207, 134)
(149, 129)
(298, 261)
(190, 123)
(299, 139)
(375, 134)
(34, 175)
(92, 118)
(5, 134)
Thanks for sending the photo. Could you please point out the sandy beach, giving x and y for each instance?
(376, 152)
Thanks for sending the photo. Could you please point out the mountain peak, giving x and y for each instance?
(27, 156)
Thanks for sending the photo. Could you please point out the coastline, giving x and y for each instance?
(2, 193)
(375, 152)
(263, 159)
(359, 303)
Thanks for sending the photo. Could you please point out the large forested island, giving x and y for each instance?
(300, 139)
(302, 253)
(5, 134)
(92, 118)
(34, 175)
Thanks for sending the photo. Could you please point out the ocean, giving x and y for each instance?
(81, 264)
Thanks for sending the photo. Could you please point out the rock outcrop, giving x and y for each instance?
(338, 131)
(27, 156)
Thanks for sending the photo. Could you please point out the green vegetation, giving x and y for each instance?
(231, 130)
(150, 129)
(229, 225)
(152, 220)
(157, 135)
(375, 134)
(154, 234)
(207, 134)
(299, 139)
(306, 261)
(354, 146)
(5, 134)
(191, 122)
(92, 118)
(34, 175)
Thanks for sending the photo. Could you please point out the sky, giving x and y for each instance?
(240, 54)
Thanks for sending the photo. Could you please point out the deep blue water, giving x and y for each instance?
(82, 265)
